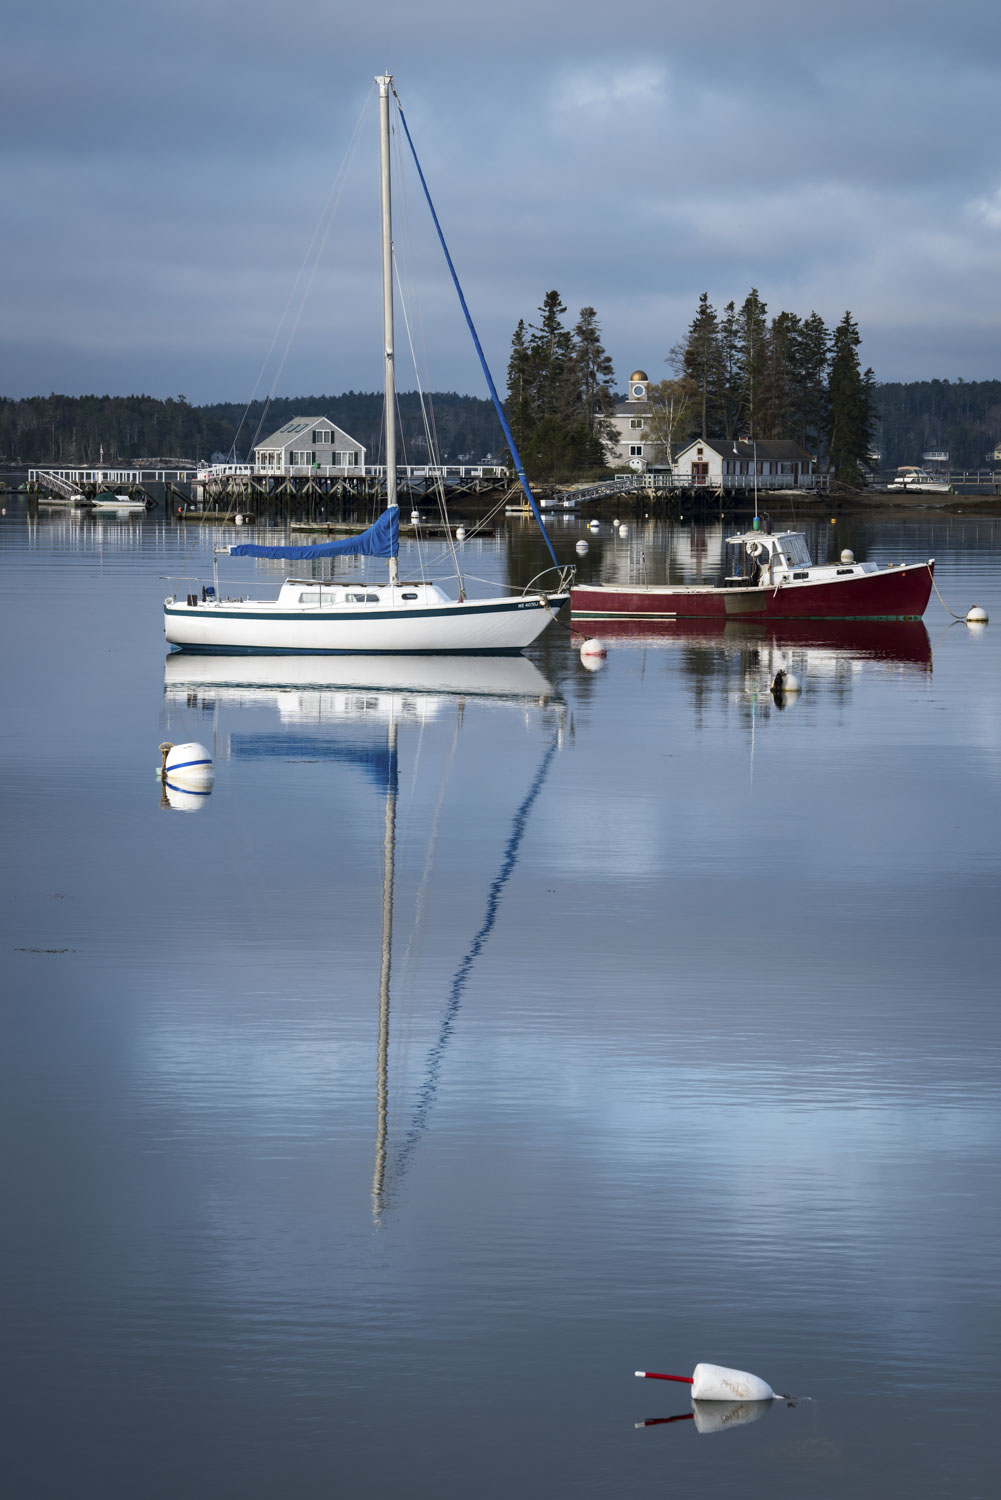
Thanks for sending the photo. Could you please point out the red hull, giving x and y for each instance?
(891, 594)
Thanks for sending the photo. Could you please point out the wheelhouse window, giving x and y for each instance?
(796, 550)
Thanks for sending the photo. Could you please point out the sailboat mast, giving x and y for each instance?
(385, 83)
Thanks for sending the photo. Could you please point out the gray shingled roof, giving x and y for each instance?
(771, 450)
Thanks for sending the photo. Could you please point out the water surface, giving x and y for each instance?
(692, 1046)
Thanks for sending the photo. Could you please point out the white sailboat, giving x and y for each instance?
(398, 617)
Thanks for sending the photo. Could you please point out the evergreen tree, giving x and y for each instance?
(777, 415)
(851, 414)
(703, 363)
(559, 392)
(751, 340)
(811, 355)
(728, 338)
(592, 374)
(519, 408)
(550, 352)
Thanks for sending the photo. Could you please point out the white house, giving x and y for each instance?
(309, 445)
(629, 448)
(736, 463)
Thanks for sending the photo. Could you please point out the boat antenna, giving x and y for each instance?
(509, 436)
(385, 82)
(754, 447)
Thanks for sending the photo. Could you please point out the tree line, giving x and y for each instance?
(559, 392)
(736, 375)
(792, 378)
(959, 417)
(68, 430)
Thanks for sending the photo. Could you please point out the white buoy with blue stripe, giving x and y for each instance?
(188, 767)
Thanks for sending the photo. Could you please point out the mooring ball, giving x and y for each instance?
(460, 533)
(791, 683)
(623, 531)
(238, 519)
(592, 525)
(976, 616)
(189, 766)
(415, 516)
(581, 549)
(717, 1383)
(847, 555)
(594, 648)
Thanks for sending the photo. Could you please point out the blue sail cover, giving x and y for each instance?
(380, 540)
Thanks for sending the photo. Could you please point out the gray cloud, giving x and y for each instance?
(161, 199)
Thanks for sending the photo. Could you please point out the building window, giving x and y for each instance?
(636, 422)
(636, 450)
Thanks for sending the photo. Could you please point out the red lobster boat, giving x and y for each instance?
(773, 578)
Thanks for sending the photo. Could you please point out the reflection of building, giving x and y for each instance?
(630, 447)
(735, 463)
(309, 445)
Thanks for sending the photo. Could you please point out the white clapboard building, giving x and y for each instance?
(740, 463)
(309, 445)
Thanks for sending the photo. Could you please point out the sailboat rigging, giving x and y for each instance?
(397, 617)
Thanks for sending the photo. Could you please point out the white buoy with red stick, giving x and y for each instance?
(717, 1383)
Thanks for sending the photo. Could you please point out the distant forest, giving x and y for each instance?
(75, 429)
(961, 417)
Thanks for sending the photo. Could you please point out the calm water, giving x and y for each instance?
(692, 1049)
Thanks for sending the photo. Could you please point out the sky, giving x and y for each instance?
(164, 171)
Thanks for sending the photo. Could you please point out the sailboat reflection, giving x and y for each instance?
(314, 695)
(716, 1416)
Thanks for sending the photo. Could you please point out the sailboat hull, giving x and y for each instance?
(472, 627)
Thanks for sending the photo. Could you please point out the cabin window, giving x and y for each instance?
(796, 550)
(354, 598)
(409, 596)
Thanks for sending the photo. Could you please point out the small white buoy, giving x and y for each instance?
(847, 555)
(976, 616)
(592, 525)
(623, 531)
(616, 521)
(188, 767)
(238, 519)
(415, 517)
(718, 1383)
(460, 533)
(593, 653)
(581, 549)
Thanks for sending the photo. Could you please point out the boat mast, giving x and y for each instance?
(385, 82)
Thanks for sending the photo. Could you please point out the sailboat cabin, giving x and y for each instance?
(309, 445)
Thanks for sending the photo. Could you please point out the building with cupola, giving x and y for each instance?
(629, 445)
